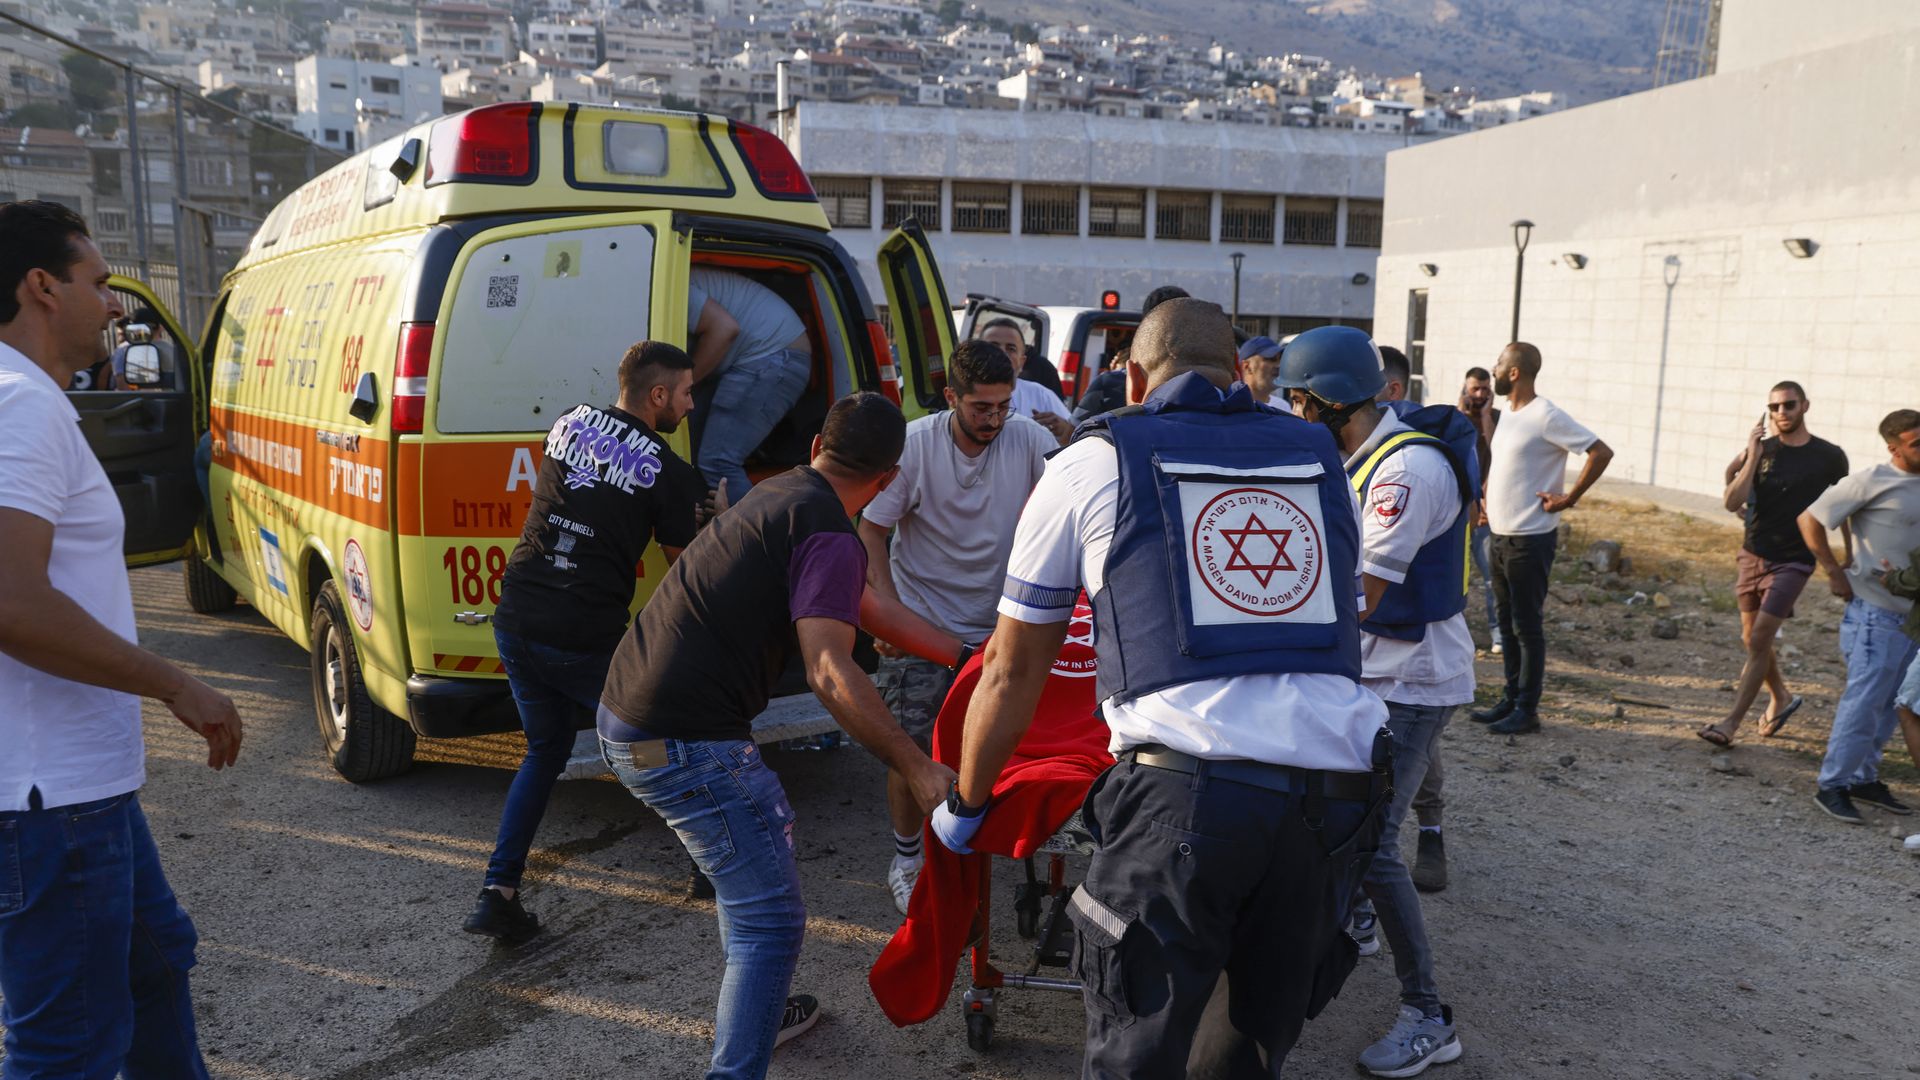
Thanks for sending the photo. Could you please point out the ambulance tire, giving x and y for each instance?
(364, 741)
(207, 592)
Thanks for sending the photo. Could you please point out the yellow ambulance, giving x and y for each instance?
(380, 370)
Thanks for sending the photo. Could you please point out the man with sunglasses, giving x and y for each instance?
(964, 476)
(1771, 481)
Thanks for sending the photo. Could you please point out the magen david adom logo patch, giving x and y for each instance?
(1255, 554)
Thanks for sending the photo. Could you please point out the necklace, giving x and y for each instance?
(960, 461)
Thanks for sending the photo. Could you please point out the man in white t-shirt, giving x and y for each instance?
(1880, 510)
(1526, 494)
(86, 959)
(964, 475)
(1030, 399)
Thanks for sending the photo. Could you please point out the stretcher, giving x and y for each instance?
(1040, 916)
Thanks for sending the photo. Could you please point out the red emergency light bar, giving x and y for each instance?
(775, 172)
(494, 144)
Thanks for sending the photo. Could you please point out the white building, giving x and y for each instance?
(1054, 208)
(351, 104)
(572, 41)
(1693, 245)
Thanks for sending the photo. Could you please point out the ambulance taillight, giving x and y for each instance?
(883, 355)
(410, 377)
(496, 144)
(774, 171)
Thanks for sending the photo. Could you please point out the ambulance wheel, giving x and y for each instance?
(207, 592)
(979, 1032)
(364, 741)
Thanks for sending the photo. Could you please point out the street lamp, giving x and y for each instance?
(1522, 232)
(1238, 257)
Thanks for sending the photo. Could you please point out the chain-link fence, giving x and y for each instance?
(173, 181)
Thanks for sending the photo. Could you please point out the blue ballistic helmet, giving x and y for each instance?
(1340, 365)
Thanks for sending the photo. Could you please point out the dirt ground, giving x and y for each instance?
(1620, 907)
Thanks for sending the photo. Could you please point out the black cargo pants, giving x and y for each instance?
(1210, 925)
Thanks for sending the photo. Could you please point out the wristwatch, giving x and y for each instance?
(958, 808)
(966, 653)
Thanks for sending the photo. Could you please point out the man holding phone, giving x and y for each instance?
(1771, 481)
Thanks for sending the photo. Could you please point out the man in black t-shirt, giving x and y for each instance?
(1771, 482)
(608, 486)
(780, 574)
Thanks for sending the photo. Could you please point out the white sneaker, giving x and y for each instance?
(901, 877)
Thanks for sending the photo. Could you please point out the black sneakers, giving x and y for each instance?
(1499, 710)
(1875, 793)
(802, 1013)
(495, 916)
(1516, 722)
(1430, 866)
(1835, 801)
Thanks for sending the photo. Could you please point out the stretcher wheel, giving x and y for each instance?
(979, 1032)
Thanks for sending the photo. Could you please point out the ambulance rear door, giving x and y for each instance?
(533, 321)
(917, 307)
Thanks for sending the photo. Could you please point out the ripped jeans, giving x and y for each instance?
(734, 819)
(94, 949)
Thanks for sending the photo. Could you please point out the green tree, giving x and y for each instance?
(1026, 33)
(44, 114)
(950, 11)
(90, 82)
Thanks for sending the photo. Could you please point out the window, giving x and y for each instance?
(113, 221)
(848, 200)
(1183, 215)
(1310, 221)
(1417, 343)
(1246, 219)
(982, 207)
(1117, 212)
(1287, 325)
(383, 86)
(1049, 210)
(1363, 223)
(903, 199)
(337, 84)
(1251, 325)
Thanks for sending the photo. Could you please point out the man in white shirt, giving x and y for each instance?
(1415, 652)
(964, 475)
(93, 965)
(1259, 364)
(1030, 399)
(1526, 494)
(1219, 543)
(1880, 508)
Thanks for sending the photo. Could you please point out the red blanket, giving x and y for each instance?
(1043, 784)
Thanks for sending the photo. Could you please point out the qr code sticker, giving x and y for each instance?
(503, 290)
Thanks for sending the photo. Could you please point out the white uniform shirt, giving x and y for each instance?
(74, 742)
(1310, 721)
(1029, 396)
(1530, 449)
(1412, 500)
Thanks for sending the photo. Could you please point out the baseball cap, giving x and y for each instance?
(1261, 346)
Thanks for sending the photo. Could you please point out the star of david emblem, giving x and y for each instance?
(1238, 539)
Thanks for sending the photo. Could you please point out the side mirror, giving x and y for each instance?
(143, 365)
(366, 399)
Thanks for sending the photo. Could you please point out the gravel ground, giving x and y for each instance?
(1620, 907)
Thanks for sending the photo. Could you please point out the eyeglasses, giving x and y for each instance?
(1782, 406)
(980, 410)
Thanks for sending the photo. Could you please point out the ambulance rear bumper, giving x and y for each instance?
(448, 708)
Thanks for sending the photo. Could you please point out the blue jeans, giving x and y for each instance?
(750, 398)
(1877, 655)
(1389, 887)
(733, 818)
(94, 949)
(556, 691)
(1481, 536)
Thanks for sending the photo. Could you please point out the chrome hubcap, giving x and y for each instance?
(336, 686)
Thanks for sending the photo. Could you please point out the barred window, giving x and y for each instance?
(1288, 325)
(1117, 212)
(1049, 210)
(1363, 223)
(910, 199)
(1183, 215)
(1251, 325)
(982, 206)
(1311, 220)
(848, 200)
(1246, 219)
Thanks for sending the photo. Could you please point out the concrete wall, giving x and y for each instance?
(1756, 32)
(1689, 307)
(1081, 149)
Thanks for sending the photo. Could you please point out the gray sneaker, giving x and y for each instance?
(1416, 1041)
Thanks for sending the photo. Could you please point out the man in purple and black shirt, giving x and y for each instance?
(782, 572)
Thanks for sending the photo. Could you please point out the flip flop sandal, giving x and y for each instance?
(1778, 721)
(1714, 735)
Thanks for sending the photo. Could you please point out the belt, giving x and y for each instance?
(1357, 787)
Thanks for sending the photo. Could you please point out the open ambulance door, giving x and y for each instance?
(144, 434)
(921, 317)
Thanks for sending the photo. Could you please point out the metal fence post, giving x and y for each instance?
(139, 174)
(191, 314)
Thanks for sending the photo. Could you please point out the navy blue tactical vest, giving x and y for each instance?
(1235, 545)
(1436, 584)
